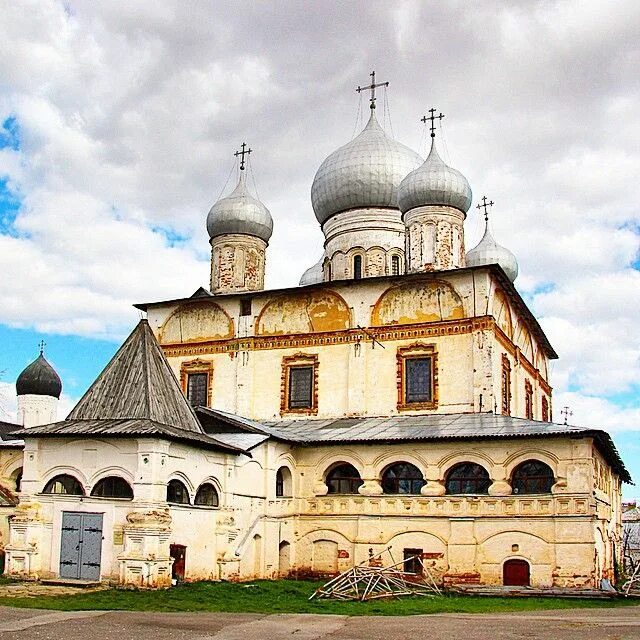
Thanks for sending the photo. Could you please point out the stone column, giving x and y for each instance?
(24, 552)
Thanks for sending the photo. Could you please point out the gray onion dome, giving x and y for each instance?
(366, 172)
(39, 379)
(488, 251)
(240, 213)
(434, 183)
(313, 274)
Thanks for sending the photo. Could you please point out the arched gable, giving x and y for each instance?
(502, 313)
(304, 312)
(196, 321)
(416, 302)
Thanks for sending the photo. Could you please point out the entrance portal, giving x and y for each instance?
(178, 553)
(80, 546)
(516, 573)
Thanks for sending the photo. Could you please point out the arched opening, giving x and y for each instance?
(343, 478)
(283, 483)
(112, 487)
(207, 496)
(516, 573)
(17, 479)
(284, 559)
(532, 476)
(177, 493)
(357, 267)
(257, 556)
(402, 478)
(467, 478)
(64, 485)
(395, 265)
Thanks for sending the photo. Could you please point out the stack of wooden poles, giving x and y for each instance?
(370, 580)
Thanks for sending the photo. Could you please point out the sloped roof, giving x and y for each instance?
(405, 428)
(137, 383)
(9, 434)
(129, 427)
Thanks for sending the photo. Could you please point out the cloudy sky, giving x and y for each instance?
(119, 121)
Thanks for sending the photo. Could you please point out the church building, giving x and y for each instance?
(398, 397)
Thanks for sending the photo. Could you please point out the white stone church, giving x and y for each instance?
(398, 397)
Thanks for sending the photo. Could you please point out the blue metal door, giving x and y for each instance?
(81, 546)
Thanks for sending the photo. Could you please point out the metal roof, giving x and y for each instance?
(138, 383)
(8, 436)
(124, 428)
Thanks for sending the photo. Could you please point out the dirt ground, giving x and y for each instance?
(577, 624)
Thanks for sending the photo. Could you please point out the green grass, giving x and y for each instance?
(288, 596)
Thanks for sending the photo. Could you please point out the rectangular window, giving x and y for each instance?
(197, 387)
(545, 409)
(413, 561)
(245, 306)
(528, 400)
(417, 380)
(300, 387)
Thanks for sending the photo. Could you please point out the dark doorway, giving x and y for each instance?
(178, 553)
(516, 573)
(412, 563)
(81, 546)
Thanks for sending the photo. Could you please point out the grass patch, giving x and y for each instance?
(4, 580)
(288, 596)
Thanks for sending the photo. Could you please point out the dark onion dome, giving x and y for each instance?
(363, 173)
(434, 183)
(240, 213)
(39, 379)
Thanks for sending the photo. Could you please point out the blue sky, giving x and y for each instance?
(119, 125)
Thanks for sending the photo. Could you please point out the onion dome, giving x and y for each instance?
(366, 172)
(313, 274)
(240, 213)
(39, 379)
(488, 251)
(434, 183)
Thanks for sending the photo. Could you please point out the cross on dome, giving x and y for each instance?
(42, 345)
(243, 152)
(372, 87)
(433, 119)
(566, 413)
(486, 206)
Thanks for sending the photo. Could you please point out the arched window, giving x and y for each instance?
(344, 478)
(395, 265)
(18, 480)
(112, 487)
(402, 477)
(467, 478)
(532, 476)
(65, 485)
(283, 483)
(357, 267)
(177, 493)
(206, 496)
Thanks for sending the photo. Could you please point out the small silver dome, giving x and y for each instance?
(366, 172)
(240, 213)
(313, 274)
(434, 183)
(488, 251)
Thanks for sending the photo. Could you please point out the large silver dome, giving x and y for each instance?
(240, 213)
(366, 172)
(313, 274)
(488, 251)
(434, 183)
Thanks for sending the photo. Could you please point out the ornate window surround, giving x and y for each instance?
(298, 360)
(197, 366)
(545, 409)
(505, 380)
(416, 350)
(528, 399)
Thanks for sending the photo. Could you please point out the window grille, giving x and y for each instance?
(417, 381)
(197, 386)
(300, 387)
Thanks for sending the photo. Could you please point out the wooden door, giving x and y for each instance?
(516, 573)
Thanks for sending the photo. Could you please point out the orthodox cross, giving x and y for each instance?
(42, 345)
(372, 87)
(244, 152)
(566, 413)
(485, 205)
(433, 117)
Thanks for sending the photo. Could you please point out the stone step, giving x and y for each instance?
(66, 582)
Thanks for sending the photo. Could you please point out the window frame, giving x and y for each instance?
(299, 360)
(57, 479)
(417, 351)
(358, 266)
(194, 367)
(353, 482)
(545, 409)
(103, 482)
(468, 478)
(528, 399)
(246, 307)
(395, 265)
(531, 479)
(202, 504)
(184, 487)
(415, 483)
(505, 385)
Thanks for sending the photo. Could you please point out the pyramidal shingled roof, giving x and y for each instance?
(137, 383)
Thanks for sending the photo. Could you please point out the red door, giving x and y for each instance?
(515, 573)
(178, 553)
